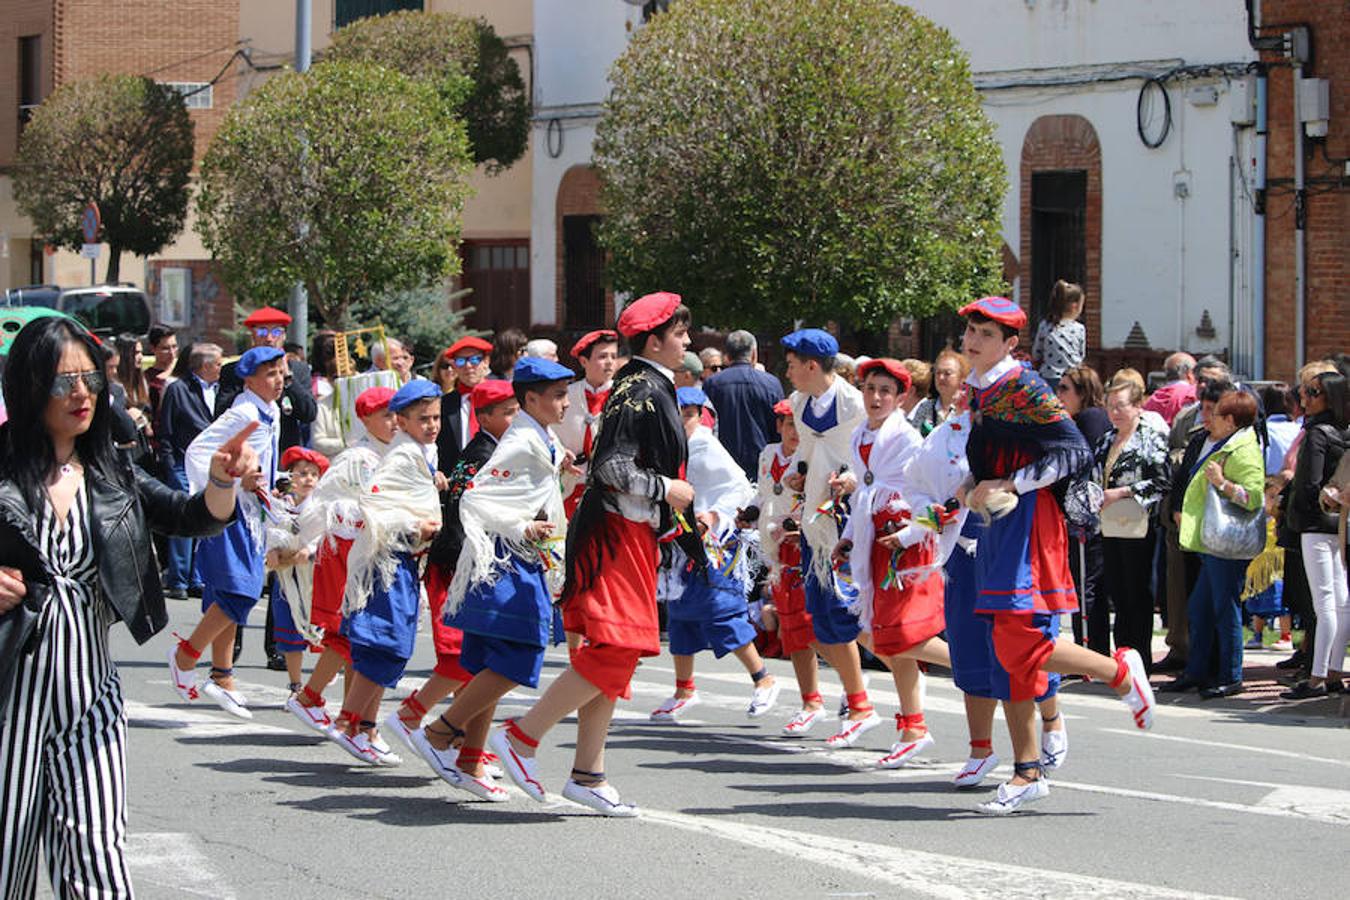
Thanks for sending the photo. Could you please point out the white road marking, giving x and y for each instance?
(201, 724)
(1257, 810)
(1289, 754)
(173, 860)
(1321, 803)
(921, 872)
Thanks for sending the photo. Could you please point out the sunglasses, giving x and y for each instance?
(1311, 391)
(63, 385)
(275, 331)
(462, 361)
(716, 368)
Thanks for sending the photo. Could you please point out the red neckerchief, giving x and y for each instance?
(865, 451)
(777, 468)
(466, 396)
(595, 401)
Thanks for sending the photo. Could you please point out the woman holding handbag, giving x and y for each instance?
(1221, 520)
(1325, 438)
(76, 556)
(1134, 471)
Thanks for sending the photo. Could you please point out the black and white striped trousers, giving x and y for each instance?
(63, 758)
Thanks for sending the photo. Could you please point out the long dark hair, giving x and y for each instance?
(27, 454)
(181, 368)
(506, 346)
(1337, 392)
(129, 371)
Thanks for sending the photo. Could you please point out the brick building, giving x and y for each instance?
(54, 42)
(1327, 206)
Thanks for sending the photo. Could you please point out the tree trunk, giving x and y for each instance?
(114, 264)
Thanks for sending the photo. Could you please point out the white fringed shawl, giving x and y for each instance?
(931, 478)
(895, 443)
(401, 496)
(824, 453)
(720, 487)
(295, 581)
(773, 509)
(197, 461)
(518, 481)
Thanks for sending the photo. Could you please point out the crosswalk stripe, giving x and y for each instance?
(174, 860)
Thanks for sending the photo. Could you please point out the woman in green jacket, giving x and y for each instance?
(1234, 464)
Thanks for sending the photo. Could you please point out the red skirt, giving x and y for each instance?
(445, 639)
(330, 583)
(905, 615)
(789, 598)
(619, 607)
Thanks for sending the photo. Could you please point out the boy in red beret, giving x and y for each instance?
(292, 562)
(632, 497)
(1022, 444)
(598, 353)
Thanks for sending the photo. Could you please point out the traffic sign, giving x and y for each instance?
(90, 222)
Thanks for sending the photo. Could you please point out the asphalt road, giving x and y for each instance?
(1247, 798)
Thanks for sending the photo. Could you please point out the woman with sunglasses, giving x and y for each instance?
(75, 557)
(1326, 404)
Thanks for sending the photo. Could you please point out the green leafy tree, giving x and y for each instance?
(124, 142)
(424, 317)
(350, 178)
(815, 159)
(465, 60)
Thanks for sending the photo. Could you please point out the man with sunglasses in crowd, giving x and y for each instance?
(267, 328)
(468, 357)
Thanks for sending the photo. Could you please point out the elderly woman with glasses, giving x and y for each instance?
(75, 557)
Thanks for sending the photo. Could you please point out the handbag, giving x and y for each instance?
(1125, 518)
(1230, 532)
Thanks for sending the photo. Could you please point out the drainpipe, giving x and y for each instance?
(1300, 227)
(1259, 231)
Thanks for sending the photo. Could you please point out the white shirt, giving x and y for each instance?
(821, 405)
(208, 391)
(669, 373)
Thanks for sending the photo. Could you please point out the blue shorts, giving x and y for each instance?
(236, 606)
(970, 636)
(378, 664)
(519, 662)
(830, 618)
(721, 636)
(284, 633)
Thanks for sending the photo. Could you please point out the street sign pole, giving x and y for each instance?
(90, 222)
(299, 301)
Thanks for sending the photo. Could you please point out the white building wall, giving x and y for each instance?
(1164, 260)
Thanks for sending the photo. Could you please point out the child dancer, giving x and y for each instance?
(494, 406)
(231, 563)
(712, 613)
(598, 353)
(899, 590)
(506, 578)
(1022, 442)
(293, 562)
(826, 409)
(334, 516)
(780, 511)
(610, 593)
(401, 513)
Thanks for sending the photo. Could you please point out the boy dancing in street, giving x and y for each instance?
(633, 490)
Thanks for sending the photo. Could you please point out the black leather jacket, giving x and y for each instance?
(1318, 456)
(120, 522)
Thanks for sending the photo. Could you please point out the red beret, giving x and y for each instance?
(294, 455)
(646, 313)
(267, 315)
(998, 309)
(467, 343)
(372, 400)
(782, 408)
(491, 392)
(892, 367)
(584, 344)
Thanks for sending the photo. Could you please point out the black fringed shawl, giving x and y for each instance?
(1020, 422)
(640, 423)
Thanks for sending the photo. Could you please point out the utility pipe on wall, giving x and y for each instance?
(1259, 232)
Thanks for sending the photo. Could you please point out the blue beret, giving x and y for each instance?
(691, 396)
(253, 359)
(811, 342)
(412, 392)
(531, 369)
